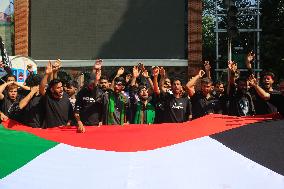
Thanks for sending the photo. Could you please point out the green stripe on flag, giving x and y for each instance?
(18, 148)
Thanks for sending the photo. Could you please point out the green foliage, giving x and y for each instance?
(272, 39)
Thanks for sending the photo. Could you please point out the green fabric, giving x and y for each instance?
(23, 147)
(111, 108)
(150, 113)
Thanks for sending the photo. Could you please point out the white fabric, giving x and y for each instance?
(201, 163)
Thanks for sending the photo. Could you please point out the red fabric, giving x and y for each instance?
(132, 138)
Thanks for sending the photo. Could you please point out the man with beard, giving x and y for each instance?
(88, 111)
(276, 99)
(57, 107)
(115, 104)
(240, 99)
(143, 109)
(104, 83)
(177, 106)
(262, 106)
(203, 102)
(268, 78)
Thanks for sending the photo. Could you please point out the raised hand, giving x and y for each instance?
(145, 74)
(35, 89)
(252, 81)
(57, 65)
(207, 66)
(48, 70)
(155, 71)
(249, 59)
(232, 66)
(120, 71)
(135, 71)
(201, 73)
(162, 72)
(98, 64)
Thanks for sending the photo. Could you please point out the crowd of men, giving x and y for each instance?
(142, 97)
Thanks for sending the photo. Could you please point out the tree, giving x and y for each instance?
(272, 39)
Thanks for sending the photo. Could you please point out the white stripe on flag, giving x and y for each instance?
(201, 163)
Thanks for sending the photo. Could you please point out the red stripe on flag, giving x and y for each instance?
(132, 138)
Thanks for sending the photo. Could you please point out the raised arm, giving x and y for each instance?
(162, 73)
(2, 88)
(23, 103)
(207, 68)
(194, 79)
(135, 74)
(119, 72)
(249, 60)
(145, 74)
(55, 68)
(155, 73)
(232, 75)
(261, 92)
(48, 72)
(27, 88)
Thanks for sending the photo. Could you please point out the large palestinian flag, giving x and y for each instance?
(215, 151)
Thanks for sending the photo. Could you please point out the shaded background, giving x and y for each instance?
(118, 29)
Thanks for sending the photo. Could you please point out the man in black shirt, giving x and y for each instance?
(30, 106)
(240, 99)
(275, 99)
(262, 106)
(177, 106)
(88, 111)
(203, 102)
(58, 109)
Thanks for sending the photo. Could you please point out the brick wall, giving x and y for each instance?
(194, 36)
(21, 27)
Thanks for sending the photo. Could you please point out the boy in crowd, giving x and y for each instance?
(71, 90)
(9, 100)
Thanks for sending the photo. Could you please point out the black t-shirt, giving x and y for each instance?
(240, 103)
(10, 108)
(278, 101)
(261, 106)
(177, 110)
(33, 112)
(202, 106)
(57, 111)
(88, 107)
